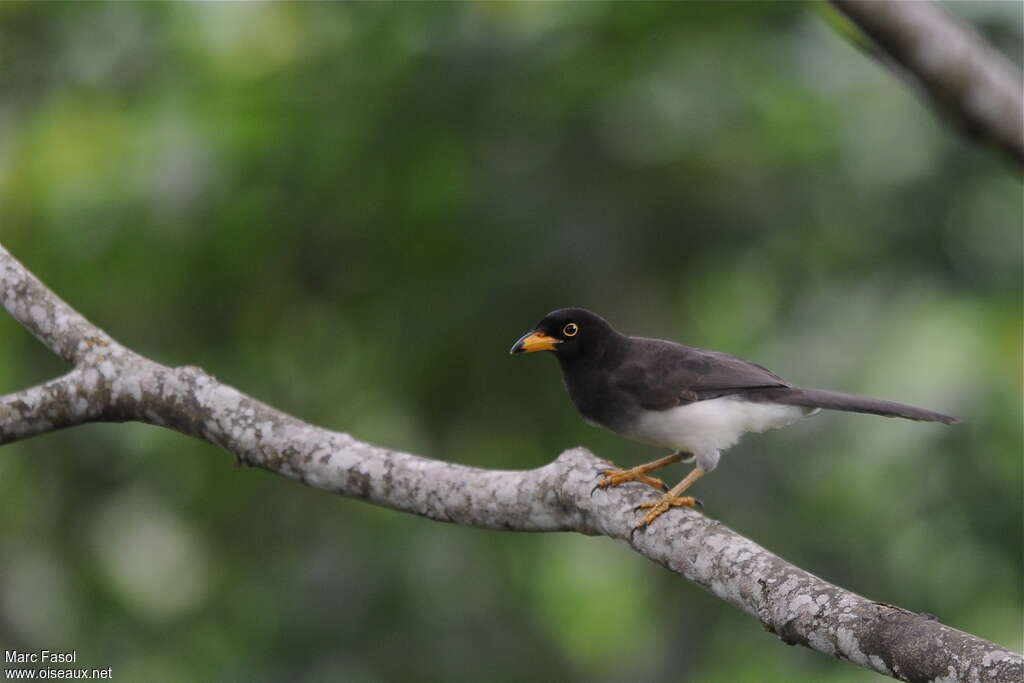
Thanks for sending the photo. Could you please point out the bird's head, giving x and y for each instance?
(572, 333)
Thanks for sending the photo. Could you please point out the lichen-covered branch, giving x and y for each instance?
(112, 383)
(961, 73)
(63, 402)
(61, 328)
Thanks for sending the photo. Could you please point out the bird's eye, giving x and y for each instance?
(570, 329)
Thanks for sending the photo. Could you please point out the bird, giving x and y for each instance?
(694, 401)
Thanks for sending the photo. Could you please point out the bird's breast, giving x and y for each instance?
(594, 398)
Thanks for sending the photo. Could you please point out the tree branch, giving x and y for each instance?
(48, 407)
(961, 73)
(111, 383)
(62, 329)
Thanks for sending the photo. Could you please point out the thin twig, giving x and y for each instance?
(956, 68)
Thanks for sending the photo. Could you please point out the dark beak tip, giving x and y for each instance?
(520, 345)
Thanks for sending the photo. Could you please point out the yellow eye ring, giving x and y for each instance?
(570, 329)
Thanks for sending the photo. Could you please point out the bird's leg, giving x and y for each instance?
(614, 477)
(670, 499)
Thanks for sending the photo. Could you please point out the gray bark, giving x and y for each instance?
(109, 382)
(958, 70)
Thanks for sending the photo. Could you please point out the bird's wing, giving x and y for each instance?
(666, 374)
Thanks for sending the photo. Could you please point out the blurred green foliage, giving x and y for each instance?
(351, 211)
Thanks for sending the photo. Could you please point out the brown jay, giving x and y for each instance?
(694, 401)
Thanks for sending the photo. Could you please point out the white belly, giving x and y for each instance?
(705, 427)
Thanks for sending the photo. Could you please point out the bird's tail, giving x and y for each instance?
(834, 400)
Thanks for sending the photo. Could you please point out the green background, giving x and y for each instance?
(351, 211)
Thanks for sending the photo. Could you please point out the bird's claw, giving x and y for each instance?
(616, 477)
(697, 502)
(658, 507)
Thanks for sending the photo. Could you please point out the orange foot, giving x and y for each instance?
(616, 477)
(656, 508)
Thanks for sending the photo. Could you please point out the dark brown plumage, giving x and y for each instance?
(696, 401)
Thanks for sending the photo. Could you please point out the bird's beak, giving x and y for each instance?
(535, 340)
